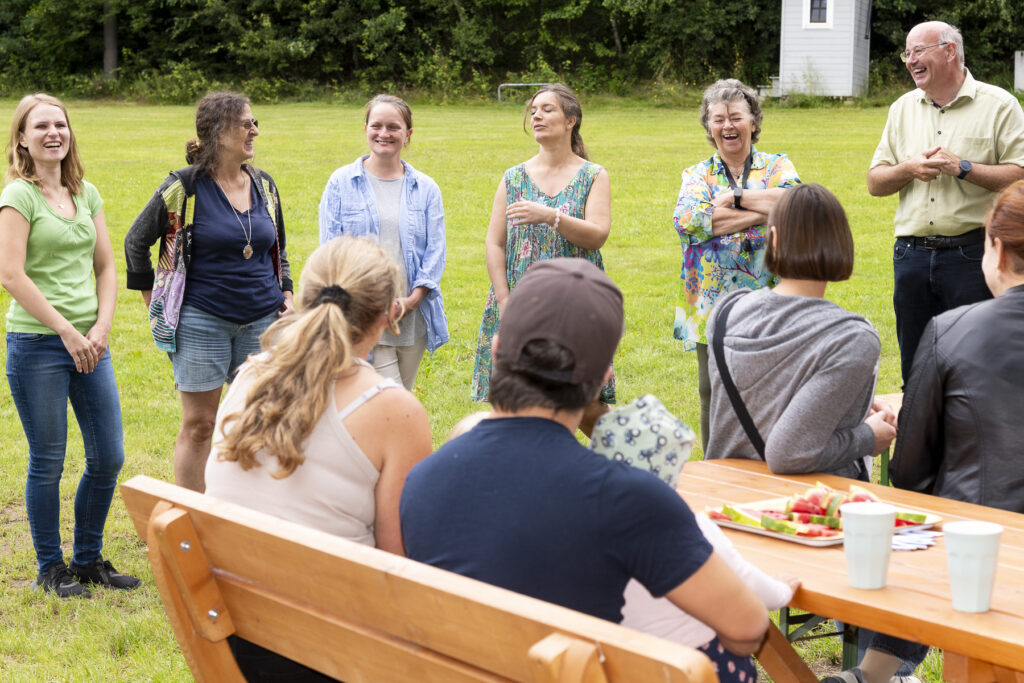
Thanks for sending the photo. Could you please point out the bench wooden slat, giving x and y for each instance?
(210, 661)
(331, 603)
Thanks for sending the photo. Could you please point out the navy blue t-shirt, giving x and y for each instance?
(220, 280)
(519, 503)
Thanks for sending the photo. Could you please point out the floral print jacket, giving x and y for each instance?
(713, 266)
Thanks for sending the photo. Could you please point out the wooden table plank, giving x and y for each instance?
(916, 603)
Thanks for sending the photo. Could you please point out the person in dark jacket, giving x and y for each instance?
(960, 428)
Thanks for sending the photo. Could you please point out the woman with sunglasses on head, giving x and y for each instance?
(555, 204)
(53, 241)
(381, 196)
(222, 274)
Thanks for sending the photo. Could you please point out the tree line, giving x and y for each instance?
(172, 49)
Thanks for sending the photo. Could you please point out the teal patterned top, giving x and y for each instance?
(527, 244)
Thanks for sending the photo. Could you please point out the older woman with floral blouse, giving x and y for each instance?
(721, 217)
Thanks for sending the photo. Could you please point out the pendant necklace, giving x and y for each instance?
(60, 205)
(247, 250)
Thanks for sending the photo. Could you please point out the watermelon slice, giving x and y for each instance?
(817, 531)
(803, 505)
(715, 514)
(834, 500)
(859, 494)
(805, 518)
(815, 495)
(780, 525)
(909, 518)
(741, 516)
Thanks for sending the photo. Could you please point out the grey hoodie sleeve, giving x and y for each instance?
(808, 437)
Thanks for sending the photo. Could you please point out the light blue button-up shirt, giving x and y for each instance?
(348, 207)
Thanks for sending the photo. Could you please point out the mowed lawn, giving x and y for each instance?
(128, 150)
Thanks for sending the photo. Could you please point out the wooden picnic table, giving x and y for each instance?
(916, 603)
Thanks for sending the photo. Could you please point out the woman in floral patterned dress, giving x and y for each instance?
(556, 204)
(720, 216)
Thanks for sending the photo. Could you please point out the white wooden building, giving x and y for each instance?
(824, 47)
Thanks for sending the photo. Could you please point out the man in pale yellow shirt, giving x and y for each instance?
(948, 147)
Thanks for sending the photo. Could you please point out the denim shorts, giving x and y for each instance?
(210, 349)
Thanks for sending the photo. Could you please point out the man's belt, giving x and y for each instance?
(975, 236)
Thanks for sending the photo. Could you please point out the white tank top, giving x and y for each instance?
(333, 490)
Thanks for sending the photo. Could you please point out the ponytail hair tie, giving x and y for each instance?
(334, 294)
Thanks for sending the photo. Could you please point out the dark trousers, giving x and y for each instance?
(704, 389)
(259, 665)
(929, 282)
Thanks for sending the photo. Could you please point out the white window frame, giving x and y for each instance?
(829, 14)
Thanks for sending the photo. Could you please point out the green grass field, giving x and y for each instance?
(128, 150)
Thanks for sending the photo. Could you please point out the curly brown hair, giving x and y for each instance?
(215, 113)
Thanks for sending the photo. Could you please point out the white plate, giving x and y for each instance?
(815, 541)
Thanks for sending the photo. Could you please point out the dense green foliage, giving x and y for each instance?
(175, 50)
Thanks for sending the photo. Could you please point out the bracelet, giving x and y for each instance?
(558, 217)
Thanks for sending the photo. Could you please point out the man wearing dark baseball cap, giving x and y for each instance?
(518, 502)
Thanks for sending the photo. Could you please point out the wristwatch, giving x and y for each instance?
(965, 168)
(737, 195)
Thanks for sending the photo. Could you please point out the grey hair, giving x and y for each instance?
(731, 90)
(951, 34)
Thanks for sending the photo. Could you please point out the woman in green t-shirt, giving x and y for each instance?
(53, 241)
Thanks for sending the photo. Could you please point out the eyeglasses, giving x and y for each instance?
(918, 51)
(249, 124)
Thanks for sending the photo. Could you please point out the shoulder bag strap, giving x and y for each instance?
(717, 344)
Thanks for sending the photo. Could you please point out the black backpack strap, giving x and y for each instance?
(717, 344)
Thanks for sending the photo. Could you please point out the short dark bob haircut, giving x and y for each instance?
(812, 239)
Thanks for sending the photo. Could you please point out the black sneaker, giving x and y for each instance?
(103, 573)
(59, 581)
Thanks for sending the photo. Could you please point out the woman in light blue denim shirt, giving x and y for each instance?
(382, 197)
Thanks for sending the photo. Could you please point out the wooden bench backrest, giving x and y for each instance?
(360, 614)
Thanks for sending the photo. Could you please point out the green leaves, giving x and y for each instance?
(183, 46)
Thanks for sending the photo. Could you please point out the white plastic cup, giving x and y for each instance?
(971, 550)
(867, 542)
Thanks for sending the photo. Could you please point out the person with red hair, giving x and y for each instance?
(960, 429)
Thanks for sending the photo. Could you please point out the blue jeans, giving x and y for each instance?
(907, 651)
(929, 282)
(43, 378)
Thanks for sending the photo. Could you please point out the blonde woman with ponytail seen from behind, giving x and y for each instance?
(309, 431)
(555, 204)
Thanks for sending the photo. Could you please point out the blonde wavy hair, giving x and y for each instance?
(19, 161)
(346, 285)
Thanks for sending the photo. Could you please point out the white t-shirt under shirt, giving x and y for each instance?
(388, 194)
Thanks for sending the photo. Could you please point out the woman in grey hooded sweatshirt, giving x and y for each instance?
(804, 371)
(803, 367)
